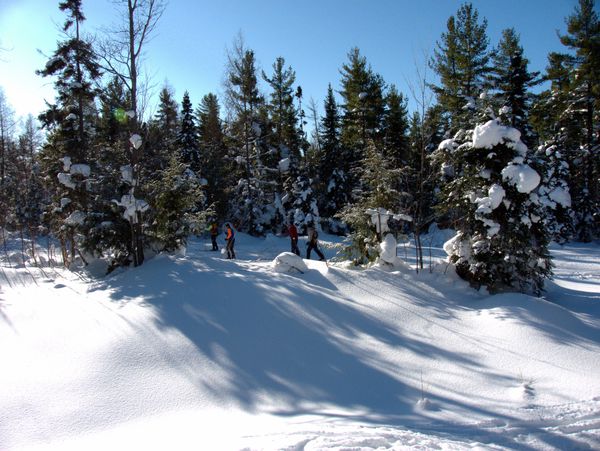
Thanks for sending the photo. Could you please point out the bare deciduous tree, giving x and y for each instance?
(122, 52)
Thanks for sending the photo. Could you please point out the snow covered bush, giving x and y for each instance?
(177, 207)
(496, 202)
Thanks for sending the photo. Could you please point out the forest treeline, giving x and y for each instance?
(508, 169)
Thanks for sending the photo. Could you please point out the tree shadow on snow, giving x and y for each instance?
(285, 344)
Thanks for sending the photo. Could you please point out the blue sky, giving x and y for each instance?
(313, 36)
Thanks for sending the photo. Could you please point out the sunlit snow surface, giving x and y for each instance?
(192, 351)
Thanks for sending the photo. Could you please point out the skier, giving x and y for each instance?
(230, 238)
(293, 231)
(313, 243)
(214, 231)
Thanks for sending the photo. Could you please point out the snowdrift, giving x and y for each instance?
(193, 351)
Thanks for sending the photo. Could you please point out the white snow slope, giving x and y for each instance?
(197, 352)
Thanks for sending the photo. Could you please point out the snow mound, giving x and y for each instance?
(387, 252)
(287, 262)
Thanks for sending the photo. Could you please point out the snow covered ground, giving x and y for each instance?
(192, 351)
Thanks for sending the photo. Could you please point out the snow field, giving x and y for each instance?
(192, 350)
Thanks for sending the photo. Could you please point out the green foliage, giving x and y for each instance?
(461, 62)
(177, 207)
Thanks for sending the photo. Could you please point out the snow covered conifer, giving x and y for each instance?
(379, 194)
(555, 193)
(501, 241)
(187, 137)
(286, 138)
(332, 167)
(177, 206)
(363, 110)
(461, 62)
(510, 81)
(66, 157)
(216, 166)
(251, 206)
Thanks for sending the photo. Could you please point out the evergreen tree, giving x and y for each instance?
(510, 81)
(395, 128)
(7, 150)
(216, 166)
(187, 138)
(161, 141)
(461, 62)
(363, 109)
(333, 167)
(66, 157)
(110, 238)
(177, 206)
(558, 220)
(501, 240)
(380, 195)
(251, 207)
(286, 139)
(583, 36)
(29, 196)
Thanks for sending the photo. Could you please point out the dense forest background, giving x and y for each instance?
(509, 169)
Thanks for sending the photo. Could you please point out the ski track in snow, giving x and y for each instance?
(193, 351)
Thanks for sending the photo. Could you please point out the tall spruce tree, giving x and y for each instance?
(251, 207)
(187, 136)
(511, 81)
(286, 138)
(333, 167)
(395, 128)
(461, 62)
(491, 180)
(378, 194)
(363, 109)
(216, 166)
(66, 158)
(7, 132)
(583, 37)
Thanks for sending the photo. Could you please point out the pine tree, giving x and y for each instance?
(461, 62)
(286, 138)
(501, 241)
(177, 206)
(161, 141)
(216, 166)
(7, 150)
(510, 81)
(379, 194)
(395, 128)
(333, 167)
(66, 158)
(555, 192)
(110, 237)
(187, 138)
(363, 109)
(583, 36)
(251, 207)
(30, 194)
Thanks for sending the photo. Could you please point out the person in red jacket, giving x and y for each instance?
(293, 231)
(230, 238)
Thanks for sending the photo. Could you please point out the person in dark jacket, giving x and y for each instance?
(293, 231)
(230, 238)
(313, 242)
(214, 232)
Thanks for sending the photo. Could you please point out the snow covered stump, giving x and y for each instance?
(387, 252)
(287, 262)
